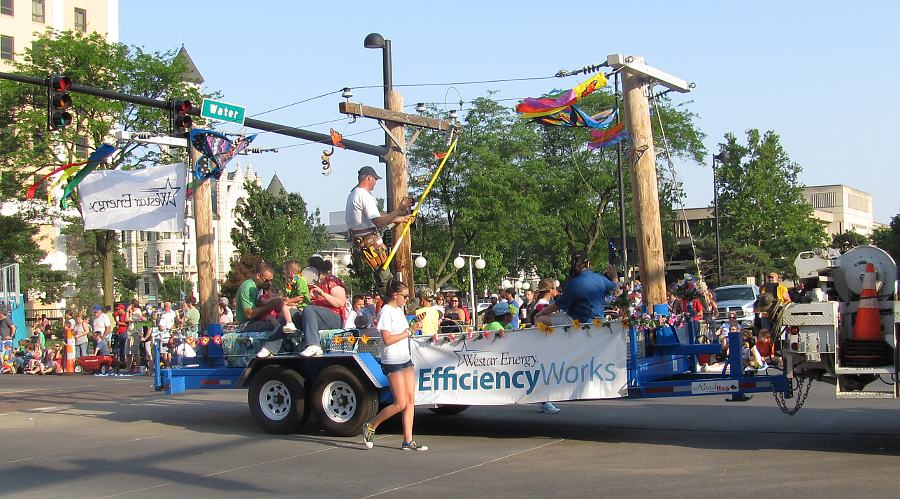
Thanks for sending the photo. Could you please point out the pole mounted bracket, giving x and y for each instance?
(391, 135)
(637, 65)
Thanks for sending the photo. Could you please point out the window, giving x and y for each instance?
(146, 260)
(80, 20)
(143, 236)
(168, 259)
(188, 257)
(6, 7)
(7, 47)
(37, 11)
(180, 257)
(824, 200)
(158, 259)
(146, 285)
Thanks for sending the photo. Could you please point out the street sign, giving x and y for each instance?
(222, 111)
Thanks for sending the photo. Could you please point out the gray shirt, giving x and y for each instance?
(6, 328)
(102, 347)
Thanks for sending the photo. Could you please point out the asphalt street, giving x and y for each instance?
(90, 436)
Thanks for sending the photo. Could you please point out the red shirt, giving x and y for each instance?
(330, 283)
(766, 347)
(121, 321)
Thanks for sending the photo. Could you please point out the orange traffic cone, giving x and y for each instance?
(70, 351)
(868, 322)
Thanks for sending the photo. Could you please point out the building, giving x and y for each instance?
(20, 19)
(843, 208)
(155, 256)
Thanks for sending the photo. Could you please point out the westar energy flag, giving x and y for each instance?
(151, 199)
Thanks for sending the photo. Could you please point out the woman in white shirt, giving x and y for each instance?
(396, 363)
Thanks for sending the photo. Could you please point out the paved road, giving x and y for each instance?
(86, 436)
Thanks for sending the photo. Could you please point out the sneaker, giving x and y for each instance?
(289, 328)
(548, 408)
(263, 353)
(312, 351)
(412, 445)
(369, 436)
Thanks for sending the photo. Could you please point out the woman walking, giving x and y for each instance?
(396, 363)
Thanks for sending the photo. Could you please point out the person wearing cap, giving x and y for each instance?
(101, 323)
(363, 218)
(773, 285)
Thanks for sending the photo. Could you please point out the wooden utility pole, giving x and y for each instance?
(636, 79)
(398, 188)
(207, 295)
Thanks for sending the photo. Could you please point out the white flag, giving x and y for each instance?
(151, 199)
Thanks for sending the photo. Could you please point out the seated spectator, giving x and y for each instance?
(327, 310)
(503, 315)
(186, 351)
(766, 348)
(546, 293)
(584, 295)
(101, 347)
(489, 321)
(356, 318)
(226, 316)
(452, 311)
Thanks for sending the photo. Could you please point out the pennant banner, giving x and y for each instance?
(151, 199)
(522, 367)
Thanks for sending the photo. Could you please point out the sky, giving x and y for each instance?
(820, 74)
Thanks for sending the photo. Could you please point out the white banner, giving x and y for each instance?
(523, 367)
(151, 199)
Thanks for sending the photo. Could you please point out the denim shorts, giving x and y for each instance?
(389, 369)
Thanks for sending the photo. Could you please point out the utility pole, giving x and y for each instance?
(207, 295)
(636, 82)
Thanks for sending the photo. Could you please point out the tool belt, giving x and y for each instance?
(373, 249)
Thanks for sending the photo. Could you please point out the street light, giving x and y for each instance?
(505, 284)
(376, 41)
(420, 262)
(459, 262)
(721, 158)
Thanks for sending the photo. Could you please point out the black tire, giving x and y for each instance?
(342, 402)
(278, 400)
(448, 410)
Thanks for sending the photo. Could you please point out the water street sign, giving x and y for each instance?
(222, 111)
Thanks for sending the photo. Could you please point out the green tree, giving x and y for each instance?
(276, 227)
(87, 59)
(81, 249)
(19, 244)
(523, 195)
(848, 239)
(888, 238)
(173, 288)
(761, 204)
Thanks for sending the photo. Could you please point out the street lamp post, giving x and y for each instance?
(376, 41)
(459, 262)
(721, 157)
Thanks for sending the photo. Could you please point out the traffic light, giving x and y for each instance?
(180, 117)
(58, 102)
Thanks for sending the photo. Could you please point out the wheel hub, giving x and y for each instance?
(275, 400)
(339, 401)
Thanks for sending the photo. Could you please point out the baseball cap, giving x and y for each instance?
(501, 309)
(368, 170)
(97, 308)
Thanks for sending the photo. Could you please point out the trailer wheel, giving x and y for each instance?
(277, 400)
(342, 403)
(448, 410)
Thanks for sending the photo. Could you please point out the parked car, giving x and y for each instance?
(737, 298)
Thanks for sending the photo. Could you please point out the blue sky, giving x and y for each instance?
(820, 74)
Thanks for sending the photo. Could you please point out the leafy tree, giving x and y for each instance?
(276, 227)
(241, 270)
(172, 288)
(90, 60)
(524, 195)
(888, 238)
(81, 250)
(19, 244)
(761, 205)
(848, 239)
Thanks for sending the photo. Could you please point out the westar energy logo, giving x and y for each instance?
(493, 370)
(154, 197)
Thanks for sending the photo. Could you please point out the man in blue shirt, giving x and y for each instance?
(584, 295)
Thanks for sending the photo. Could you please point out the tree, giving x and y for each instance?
(81, 250)
(848, 239)
(523, 195)
(888, 238)
(761, 204)
(19, 244)
(241, 269)
(174, 289)
(90, 60)
(276, 227)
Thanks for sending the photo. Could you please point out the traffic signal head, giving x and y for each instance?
(59, 102)
(181, 119)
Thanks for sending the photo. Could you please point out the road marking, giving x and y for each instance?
(220, 472)
(467, 468)
(42, 408)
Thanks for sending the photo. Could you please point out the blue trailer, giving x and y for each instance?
(345, 387)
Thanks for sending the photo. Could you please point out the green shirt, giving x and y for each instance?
(494, 326)
(193, 317)
(298, 287)
(246, 298)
